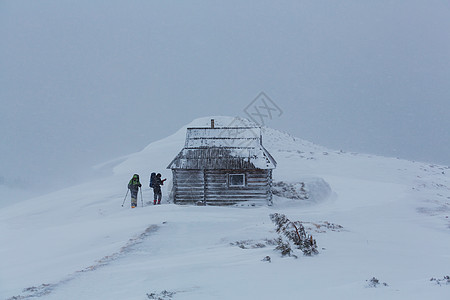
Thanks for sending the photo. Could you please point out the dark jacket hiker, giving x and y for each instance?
(157, 194)
(134, 186)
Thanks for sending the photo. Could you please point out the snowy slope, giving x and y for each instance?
(80, 243)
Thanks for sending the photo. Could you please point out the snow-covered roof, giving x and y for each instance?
(223, 148)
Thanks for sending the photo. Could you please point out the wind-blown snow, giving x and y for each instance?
(80, 243)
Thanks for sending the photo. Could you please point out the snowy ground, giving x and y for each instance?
(80, 243)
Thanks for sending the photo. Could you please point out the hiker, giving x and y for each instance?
(156, 184)
(134, 186)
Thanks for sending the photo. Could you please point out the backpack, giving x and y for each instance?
(152, 180)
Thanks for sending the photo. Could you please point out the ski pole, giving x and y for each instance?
(125, 197)
(142, 199)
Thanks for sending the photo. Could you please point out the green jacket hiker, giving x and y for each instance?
(134, 186)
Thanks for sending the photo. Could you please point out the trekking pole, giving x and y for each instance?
(142, 199)
(125, 197)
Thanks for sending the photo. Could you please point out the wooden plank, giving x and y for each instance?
(189, 179)
(251, 179)
(190, 195)
(216, 180)
(259, 193)
(189, 199)
(196, 199)
(256, 185)
(190, 186)
(237, 190)
(209, 200)
(256, 175)
(228, 203)
(262, 196)
(190, 192)
(259, 180)
(217, 185)
(218, 195)
(189, 182)
(238, 195)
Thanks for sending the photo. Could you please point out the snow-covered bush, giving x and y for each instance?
(295, 233)
(161, 296)
(249, 244)
(374, 282)
(284, 247)
(445, 280)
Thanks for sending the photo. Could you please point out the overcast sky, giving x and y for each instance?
(82, 82)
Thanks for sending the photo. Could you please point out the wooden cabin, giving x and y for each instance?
(222, 166)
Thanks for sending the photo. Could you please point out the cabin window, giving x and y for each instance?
(236, 180)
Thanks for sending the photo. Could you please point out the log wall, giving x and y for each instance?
(211, 187)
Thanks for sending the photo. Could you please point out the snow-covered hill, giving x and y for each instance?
(372, 217)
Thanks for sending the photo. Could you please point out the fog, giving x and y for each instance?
(82, 82)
